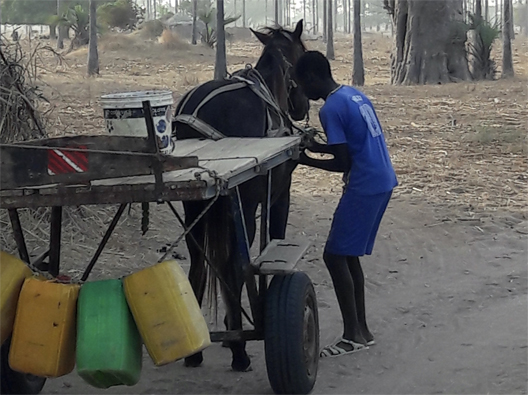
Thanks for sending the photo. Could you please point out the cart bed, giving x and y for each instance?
(233, 161)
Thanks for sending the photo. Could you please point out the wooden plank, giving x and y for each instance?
(27, 166)
(189, 146)
(258, 148)
(178, 185)
(280, 257)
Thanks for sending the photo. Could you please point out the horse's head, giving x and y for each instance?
(282, 50)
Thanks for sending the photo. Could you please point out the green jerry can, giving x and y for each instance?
(109, 346)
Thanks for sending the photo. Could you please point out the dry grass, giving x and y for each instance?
(123, 43)
(469, 137)
(170, 40)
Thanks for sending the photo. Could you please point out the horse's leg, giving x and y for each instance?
(249, 197)
(197, 271)
(280, 207)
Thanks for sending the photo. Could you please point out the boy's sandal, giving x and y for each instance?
(334, 350)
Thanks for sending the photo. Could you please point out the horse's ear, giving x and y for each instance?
(263, 38)
(297, 33)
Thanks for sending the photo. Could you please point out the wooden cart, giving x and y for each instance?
(122, 170)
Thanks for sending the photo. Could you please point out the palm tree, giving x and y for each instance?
(330, 34)
(507, 60)
(325, 20)
(243, 13)
(194, 14)
(358, 74)
(221, 61)
(93, 56)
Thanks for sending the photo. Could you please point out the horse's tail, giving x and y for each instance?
(218, 244)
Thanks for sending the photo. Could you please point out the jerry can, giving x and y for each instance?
(166, 312)
(109, 347)
(13, 272)
(43, 342)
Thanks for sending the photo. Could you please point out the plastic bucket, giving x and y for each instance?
(123, 113)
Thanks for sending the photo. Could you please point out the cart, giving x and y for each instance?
(73, 171)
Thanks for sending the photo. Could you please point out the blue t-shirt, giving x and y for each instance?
(349, 117)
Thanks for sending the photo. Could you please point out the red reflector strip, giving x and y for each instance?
(62, 162)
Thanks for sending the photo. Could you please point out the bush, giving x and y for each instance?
(152, 29)
(171, 40)
(122, 14)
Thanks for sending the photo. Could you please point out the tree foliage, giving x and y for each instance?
(19, 12)
(207, 14)
(122, 14)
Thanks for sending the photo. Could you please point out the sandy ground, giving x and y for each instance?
(447, 282)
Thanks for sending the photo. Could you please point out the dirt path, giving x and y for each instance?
(447, 284)
(446, 301)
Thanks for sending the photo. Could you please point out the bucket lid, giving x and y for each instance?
(135, 99)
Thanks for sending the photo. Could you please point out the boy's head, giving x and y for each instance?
(313, 73)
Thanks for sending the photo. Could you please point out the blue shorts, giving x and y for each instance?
(355, 224)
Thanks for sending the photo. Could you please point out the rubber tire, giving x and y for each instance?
(286, 360)
(13, 382)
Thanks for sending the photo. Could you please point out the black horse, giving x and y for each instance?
(242, 112)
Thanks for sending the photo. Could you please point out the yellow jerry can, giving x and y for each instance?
(13, 272)
(166, 312)
(44, 334)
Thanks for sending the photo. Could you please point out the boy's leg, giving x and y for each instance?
(358, 278)
(344, 288)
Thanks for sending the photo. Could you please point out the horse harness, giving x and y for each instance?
(248, 77)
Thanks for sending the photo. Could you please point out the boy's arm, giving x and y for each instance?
(339, 163)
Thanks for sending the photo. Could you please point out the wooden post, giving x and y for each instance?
(18, 234)
(55, 240)
(103, 242)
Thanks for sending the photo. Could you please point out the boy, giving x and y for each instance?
(355, 139)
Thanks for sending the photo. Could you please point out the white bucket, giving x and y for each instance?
(123, 113)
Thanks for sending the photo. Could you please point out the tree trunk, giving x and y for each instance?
(525, 21)
(314, 16)
(358, 74)
(427, 50)
(53, 32)
(507, 60)
(221, 61)
(486, 10)
(304, 11)
(330, 38)
(194, 16)
(63, 33)
(512, 24)
(478, 8)
(276, 12)
(93, 56)
(334, 17)
(243, 13)
(175, 6)
(325, 21)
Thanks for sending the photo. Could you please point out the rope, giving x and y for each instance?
(220, 182)
(209, 263)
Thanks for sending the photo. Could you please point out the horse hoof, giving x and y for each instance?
(194, 360)
(242, 366)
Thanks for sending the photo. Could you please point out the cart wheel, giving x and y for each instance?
(15, 382)
(291, 334)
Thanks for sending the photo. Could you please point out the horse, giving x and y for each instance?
(260, 107)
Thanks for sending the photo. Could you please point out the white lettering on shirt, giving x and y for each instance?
(371, 120)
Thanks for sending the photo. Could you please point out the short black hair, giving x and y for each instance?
(313, 62)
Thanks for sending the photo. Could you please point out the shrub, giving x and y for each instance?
(122, 14)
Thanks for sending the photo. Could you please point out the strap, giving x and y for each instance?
(200, 126)
(218, 91)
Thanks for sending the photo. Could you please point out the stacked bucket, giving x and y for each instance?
(99, 326)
